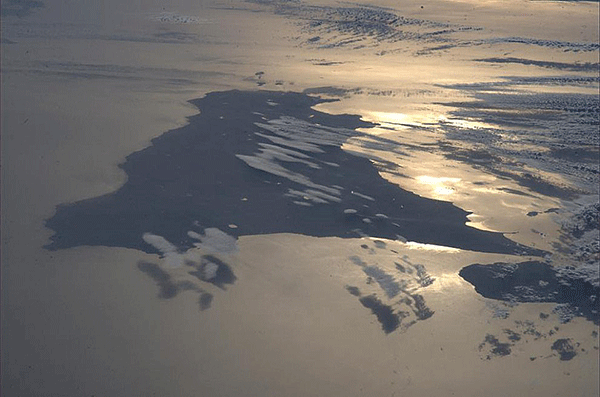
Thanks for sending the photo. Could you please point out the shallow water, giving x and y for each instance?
(373, 199)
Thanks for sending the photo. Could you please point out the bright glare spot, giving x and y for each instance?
(436, 180)
(430, 247)
(467, 124)
(443, 190)
(392, 118)
(399, 121)
(478, 222)
(440, 186)
(396, 121)
(446, 281)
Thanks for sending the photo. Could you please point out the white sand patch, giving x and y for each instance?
(210, 270)
(215, 240)
(167, 250)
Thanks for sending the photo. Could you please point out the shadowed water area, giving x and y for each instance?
(262, 162)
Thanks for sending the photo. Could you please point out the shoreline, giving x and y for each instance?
(249, 153)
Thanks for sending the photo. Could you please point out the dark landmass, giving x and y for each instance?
(264, 162)
(420, 308)
(354, 291)
(386, 316)
(495, 347)
(205, 301)
(389, 320)
(168, 289)
(538, 282)
(331, 91)
(399, 290)
(213, 270)
(586, 220)
(580, 237)
(565, 349)
(559, 133)
(513, 341)
(576, 67)
(385, 281)
(512, 335)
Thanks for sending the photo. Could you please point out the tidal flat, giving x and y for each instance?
(226, 198)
